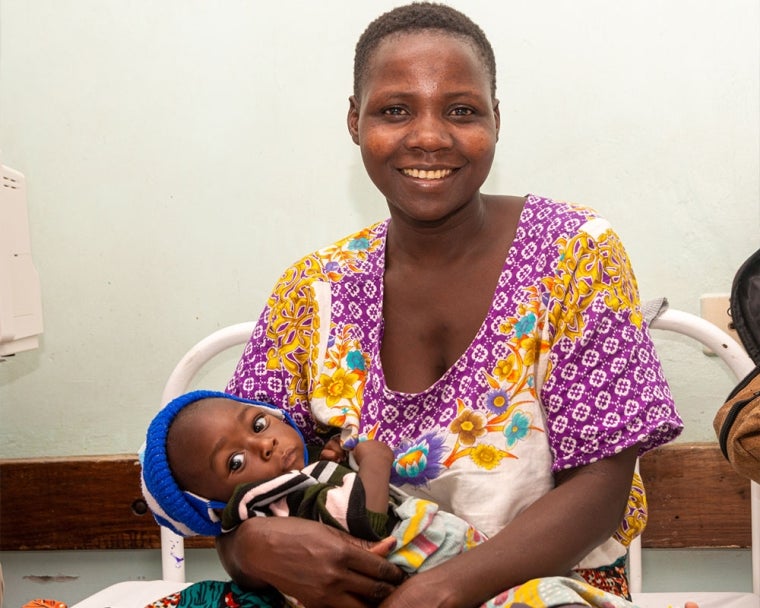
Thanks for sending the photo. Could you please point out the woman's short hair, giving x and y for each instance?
(417, 17)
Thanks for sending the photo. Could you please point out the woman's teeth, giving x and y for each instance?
(425, 174)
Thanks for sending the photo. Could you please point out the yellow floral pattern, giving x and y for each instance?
(635, 518)
(587, 268)
(293, 327)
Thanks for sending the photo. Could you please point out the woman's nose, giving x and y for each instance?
(429, 132)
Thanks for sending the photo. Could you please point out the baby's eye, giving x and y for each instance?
(236, 462)
(260, 423)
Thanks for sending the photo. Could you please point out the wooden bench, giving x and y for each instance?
(695, 500)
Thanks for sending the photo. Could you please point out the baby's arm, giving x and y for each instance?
(374, 460)
(333, 451)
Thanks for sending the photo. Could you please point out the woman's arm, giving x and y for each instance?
(546, 539)
(319, 565)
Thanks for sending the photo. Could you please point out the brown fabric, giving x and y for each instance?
(745, 305)
(737, 425)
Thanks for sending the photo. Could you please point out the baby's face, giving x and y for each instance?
(221, 443)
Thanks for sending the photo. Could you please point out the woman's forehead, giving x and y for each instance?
(425, 46)
(403, 60)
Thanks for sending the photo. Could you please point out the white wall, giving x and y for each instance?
(179, 154)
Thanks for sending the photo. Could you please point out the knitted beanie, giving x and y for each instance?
(183, 512)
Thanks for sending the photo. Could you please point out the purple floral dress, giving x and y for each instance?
(561, 373)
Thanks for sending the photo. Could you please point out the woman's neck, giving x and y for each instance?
(487, 222)
(442, 241)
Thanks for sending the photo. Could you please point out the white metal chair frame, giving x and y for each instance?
(172, 547)
(725, 347)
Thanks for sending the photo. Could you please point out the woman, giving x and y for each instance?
(495, 343)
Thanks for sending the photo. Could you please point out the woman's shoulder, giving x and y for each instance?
(559, 218)
(544, 206)
(359, 253)
(366, 239)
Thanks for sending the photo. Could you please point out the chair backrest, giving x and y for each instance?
(172, 546)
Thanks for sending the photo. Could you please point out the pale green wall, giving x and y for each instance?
(180, 153)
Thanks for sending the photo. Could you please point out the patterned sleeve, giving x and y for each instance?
(275, 366)
(604, 387)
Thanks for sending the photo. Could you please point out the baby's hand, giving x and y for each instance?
(372, 449)
(333, 450)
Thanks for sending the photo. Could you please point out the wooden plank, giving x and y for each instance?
(76, 503)
(695, 500)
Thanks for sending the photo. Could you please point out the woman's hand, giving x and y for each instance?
(417, 591)
(320, 566)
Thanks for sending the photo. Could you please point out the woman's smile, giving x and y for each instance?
(428, 174)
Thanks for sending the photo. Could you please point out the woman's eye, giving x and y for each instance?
(260, 423)
(394, 111)
(236, 462)
(462, 112)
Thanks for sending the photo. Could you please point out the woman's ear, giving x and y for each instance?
(353, 118)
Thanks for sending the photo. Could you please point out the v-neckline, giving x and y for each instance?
(379, 369)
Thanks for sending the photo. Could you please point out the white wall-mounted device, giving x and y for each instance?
(20, 298)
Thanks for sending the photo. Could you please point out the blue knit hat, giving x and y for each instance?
(184, 512)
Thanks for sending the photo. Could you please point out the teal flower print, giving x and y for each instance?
(355, 360)
(517, 428)
(358, 244)
(525, 325)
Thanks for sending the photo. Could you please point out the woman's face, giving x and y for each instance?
(426, 123)
(222, 443)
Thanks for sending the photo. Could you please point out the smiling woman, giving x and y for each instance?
(503, 351)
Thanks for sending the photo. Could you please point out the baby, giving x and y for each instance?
(212, 460)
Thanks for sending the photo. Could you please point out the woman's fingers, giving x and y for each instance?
(365, 589)
(383, 547)
(351, 577)
(369, 559)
